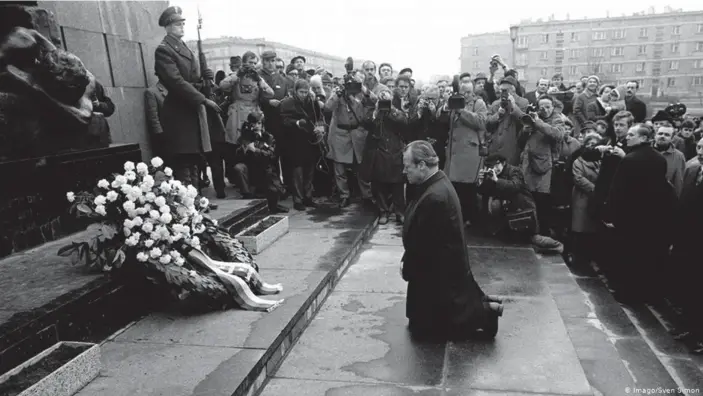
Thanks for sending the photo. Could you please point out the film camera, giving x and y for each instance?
(351, 86)
(529, 117)
(384, 101)
(504, 99)
(676, 111)
(457, 100)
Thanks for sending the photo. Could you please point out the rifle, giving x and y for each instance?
(208, 85)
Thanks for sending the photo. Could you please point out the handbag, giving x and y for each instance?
(522, 221)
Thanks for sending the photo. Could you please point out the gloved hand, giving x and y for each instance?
(208, 74)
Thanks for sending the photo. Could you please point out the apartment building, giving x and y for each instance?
(664, 52)
(477, 50)
(218, 51)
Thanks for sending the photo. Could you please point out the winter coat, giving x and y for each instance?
(295, 143)
(347, 137)
(544, 141)
(383, 151)
(466, 134)
(581, 102)
(442, 292)
(585, 174)
(675, 166)
(511, 190)
(189, 128)
(503, 130)
(247, 95)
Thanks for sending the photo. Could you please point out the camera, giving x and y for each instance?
(384, 105)
(457, 100)
(527, 118)
(352, 87)
(504, 99)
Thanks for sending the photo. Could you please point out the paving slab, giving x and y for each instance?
(387, 234)
(168, 370)
(377, 270)
(295, 387)
(507, 271)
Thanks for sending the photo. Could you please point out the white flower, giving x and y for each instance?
(104, 184)
(155, 236)
(189, 202)
(142, 211)
(119, 180)
(100, 209)
(141, 256)
(165, 259)
(129, 206)
(192, 192)
(168, 171)
(180, 261)
(150, 196)
(182, 211)
(165, 209)
(137, 221)
(160, 201)
(148, 227)
(192, 273)
(195, 242)
(100, 200)
(132, 241)
(166, 218)
(155, 252)
(149, 179)
(112, 196)
(156, 162)
(128, 223)
(154, 214)
(197, 218)
(127, 231)
(126, 189)
(199, 229)
(129, 165)
(165, 187)
(141, 200)
(70, 196)
(177, 237)
(136, 191)
(214, 222)
(149, 243)
(142, 168)
(130, 175)
(204, 202)
(175, 254)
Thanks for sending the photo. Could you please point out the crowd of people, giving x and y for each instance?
(582, 171)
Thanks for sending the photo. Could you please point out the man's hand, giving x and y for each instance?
(208, 74)
(301, 123)
(494, 177)
(618, 151)
(501, 110)
(212, 105)
(552, 90)
(274, 102)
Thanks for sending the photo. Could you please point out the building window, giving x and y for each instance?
(619, 34)
(643, 32)
(597, 52)
(477, 64)
(674, 48)
(597, 69)
(697, 80)
(573, 70)
(522, 60)
(574, 53)
(598, 35)
(642, 49)
(522, 42)
(617, 51)
(545, 38)
(676, 30)
(700, 28)
(544, 70)
(674, 65)
(699, 46)
(698, 64)
(616, 68)
(671, 82)
(475, 51)
(640, 67)
(575, 36)
(544, 55)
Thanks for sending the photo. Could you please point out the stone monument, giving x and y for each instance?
(47, 145)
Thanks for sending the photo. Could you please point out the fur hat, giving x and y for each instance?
(662, 116)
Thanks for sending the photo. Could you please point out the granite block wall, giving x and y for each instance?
(116, 40)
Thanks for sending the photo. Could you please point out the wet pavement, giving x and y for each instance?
(561, 334)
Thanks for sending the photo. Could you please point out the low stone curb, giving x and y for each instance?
(269, 363)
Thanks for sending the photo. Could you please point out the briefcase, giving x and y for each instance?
(522, 221)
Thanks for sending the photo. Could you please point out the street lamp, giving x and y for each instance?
(513, 37)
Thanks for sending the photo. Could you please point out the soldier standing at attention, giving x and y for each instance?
(190, 121)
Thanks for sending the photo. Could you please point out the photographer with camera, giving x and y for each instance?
(383, 155)
(464, 115)
(543, 133)
(504, 121)
(509, 206)
(347, 137)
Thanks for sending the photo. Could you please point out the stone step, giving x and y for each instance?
(234, 352)
(45, 299)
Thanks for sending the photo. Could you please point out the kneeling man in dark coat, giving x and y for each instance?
(444, 300)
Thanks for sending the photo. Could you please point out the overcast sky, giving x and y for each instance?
(421, 34)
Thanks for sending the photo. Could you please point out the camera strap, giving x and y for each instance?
(351, 110)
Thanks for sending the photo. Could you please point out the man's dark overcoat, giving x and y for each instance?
(178, 69)
(442, 292)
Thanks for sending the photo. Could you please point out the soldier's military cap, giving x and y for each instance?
(170, 15)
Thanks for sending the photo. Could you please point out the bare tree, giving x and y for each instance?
(595, 67)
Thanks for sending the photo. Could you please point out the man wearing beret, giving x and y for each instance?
(298, 63)
(190, 121)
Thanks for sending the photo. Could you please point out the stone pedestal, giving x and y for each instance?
(33, 205)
